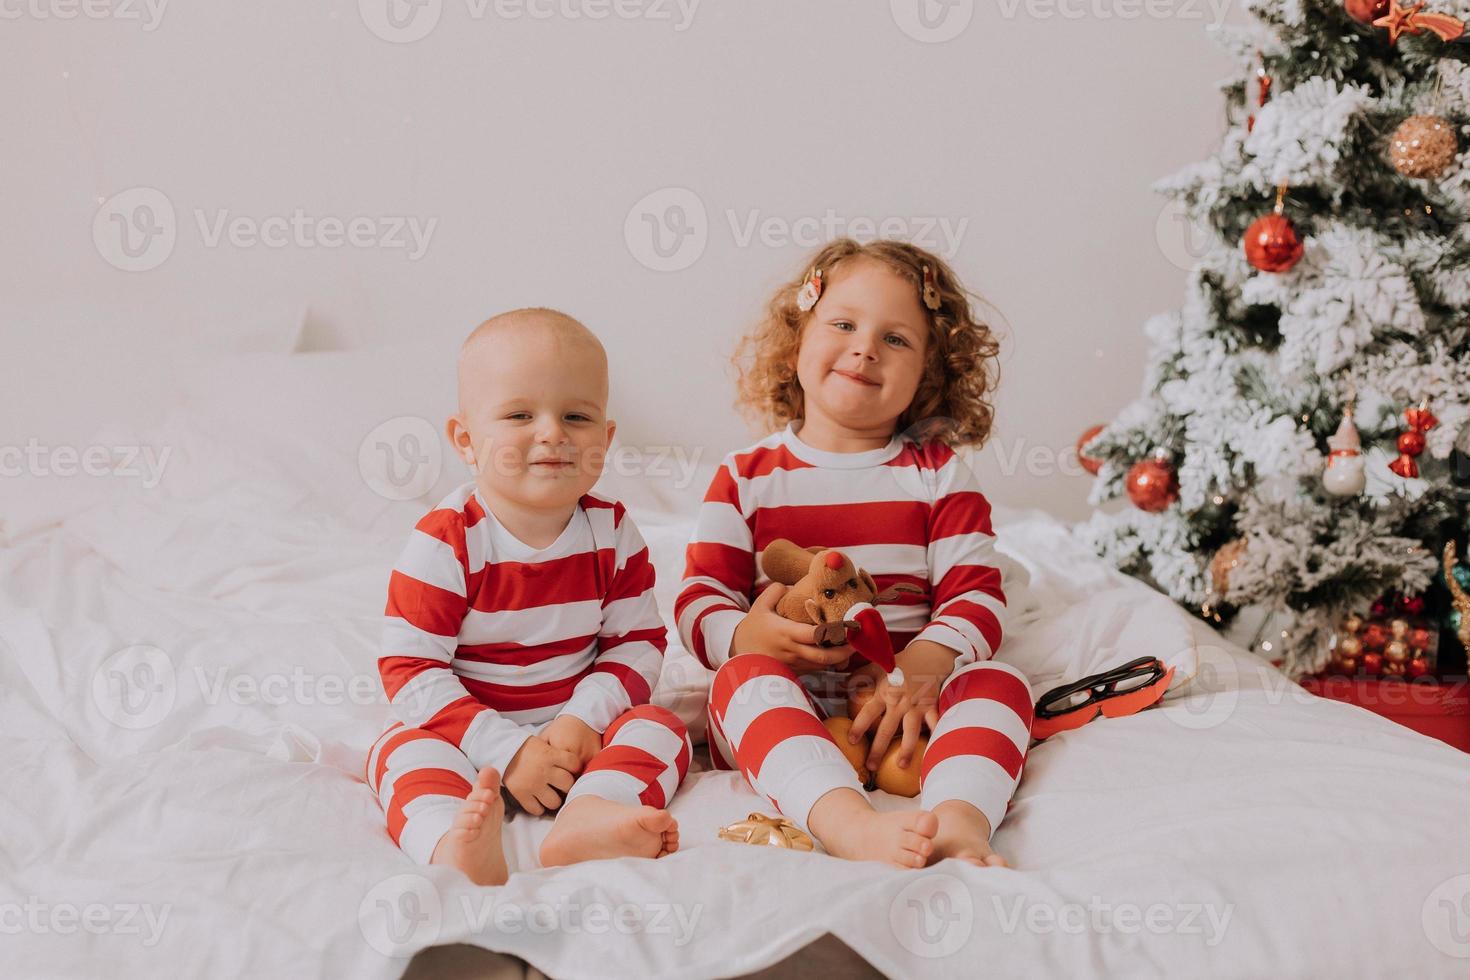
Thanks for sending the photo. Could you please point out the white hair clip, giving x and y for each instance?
(810, 291)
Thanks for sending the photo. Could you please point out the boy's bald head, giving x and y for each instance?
(535, 334)
(532, 419)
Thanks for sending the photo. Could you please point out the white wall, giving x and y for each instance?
(529, 141)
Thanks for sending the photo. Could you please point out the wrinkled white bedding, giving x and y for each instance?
(187, 691)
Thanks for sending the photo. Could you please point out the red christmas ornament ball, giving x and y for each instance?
(1272, 244)
(1418, 667)
(1088, 463)
(1420, 639)
(1153, 485)
(1374, 637)
(1366, 11)
(1372, 664)
(1412, 605)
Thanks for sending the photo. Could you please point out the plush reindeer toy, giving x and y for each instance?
(825, 588)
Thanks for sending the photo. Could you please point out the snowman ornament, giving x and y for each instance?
(1345, 475)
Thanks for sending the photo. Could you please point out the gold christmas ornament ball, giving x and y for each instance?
(1399, 628)
(1424, 146)
(1349, 647)
(1224, 562)
(1352, 624)
(901, 782)
(1397, 652)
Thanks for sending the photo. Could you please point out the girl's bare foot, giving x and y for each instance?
(848, 827)
(590, 828)
(964, 833)
(473, 844)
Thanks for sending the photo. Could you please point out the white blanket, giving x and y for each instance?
(188, 689)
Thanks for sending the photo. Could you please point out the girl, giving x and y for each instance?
(877, 368)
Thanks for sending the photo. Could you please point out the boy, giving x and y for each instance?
(522, 640)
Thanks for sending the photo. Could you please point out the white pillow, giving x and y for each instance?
(81, 388)
(363, 429)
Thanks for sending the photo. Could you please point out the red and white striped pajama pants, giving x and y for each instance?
(422, 779)
(764, 721)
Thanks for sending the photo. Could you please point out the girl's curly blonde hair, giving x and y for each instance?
(961, 369)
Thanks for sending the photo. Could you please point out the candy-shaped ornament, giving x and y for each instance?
(1411, 442)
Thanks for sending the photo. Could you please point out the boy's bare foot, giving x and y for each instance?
(590, 828)
(964, 833)
(848, 827)
(473, 844)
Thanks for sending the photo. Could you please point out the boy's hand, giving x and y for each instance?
(571, 734)
(763, 630)
(539, 774)
(909, 706)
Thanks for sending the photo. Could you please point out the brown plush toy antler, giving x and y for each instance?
(825, 584)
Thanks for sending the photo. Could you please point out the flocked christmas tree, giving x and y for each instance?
(1300, 445)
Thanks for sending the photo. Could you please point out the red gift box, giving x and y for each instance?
(1440, 709)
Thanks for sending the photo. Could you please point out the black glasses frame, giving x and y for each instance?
(1101, 686)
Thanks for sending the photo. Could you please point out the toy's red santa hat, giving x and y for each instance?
(871, 639)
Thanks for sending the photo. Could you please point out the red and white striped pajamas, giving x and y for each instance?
(908, 513)
(487, 641)
(422, 778)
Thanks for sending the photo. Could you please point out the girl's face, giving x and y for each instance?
(863, 347)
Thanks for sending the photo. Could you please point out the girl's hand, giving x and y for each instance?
(763, 630)
(538, 775)
(909, 706)
(572, 734)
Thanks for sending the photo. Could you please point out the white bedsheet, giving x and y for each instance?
(217, 823)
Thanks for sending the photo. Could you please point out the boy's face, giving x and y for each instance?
(533, 414)
(863, 348)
